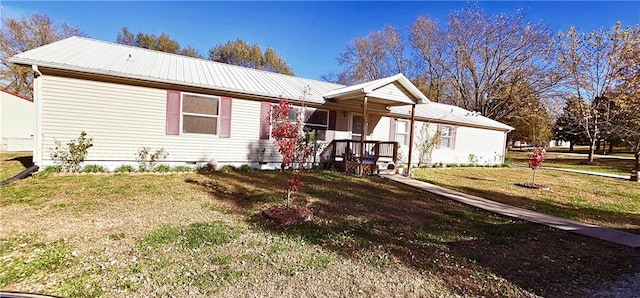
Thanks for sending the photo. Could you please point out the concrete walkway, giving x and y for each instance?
(607, 234)
(616, 176)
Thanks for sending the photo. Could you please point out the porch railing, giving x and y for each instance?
(345, 154)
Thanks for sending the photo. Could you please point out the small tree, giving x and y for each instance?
(426, 142)
(147, 160)
(535, 160)
(293, 143)
(72, 154)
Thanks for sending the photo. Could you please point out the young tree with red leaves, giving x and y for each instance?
(535, 160)
(293, 143)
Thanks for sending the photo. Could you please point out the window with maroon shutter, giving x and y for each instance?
(173, 112)
(331, 128)
(265, 122)
(447, 136)
(225, 117)
(392, 129)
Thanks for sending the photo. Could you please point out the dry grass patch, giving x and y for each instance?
(12, 163)
(203, 235)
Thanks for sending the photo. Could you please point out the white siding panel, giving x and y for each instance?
(122, 118)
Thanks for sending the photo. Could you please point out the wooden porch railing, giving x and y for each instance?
(344, 155)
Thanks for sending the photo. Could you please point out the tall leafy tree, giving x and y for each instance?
(162, 42)
(23, 34)
(566, 127)
(592, 64)
(240, 53)
(626, 94)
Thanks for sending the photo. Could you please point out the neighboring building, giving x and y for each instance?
(17, 122)
(198, 110)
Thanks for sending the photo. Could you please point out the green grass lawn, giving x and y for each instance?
(553, 160)
(191, 234)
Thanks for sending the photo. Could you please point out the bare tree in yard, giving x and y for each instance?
(591, 62)
(162, 42)
(240, 53)
(23, 34)
(489, 64)
(378, 55)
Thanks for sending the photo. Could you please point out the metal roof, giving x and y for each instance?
(371, 89)
(105, 58)
(444, 113)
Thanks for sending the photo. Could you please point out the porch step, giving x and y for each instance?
(386, 171)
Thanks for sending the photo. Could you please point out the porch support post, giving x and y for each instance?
(365, 131)
(413, 120)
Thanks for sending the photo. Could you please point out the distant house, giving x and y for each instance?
(198, 110)
(17, 122)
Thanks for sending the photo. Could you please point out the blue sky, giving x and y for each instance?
(309, 35)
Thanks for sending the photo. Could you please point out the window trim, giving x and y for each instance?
(405, 133)
(314, 126)
(217, 117)
(450, 137)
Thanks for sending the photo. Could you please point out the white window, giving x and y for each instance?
(446, 137)
(316, 121)
(402, 132)
(200, 113)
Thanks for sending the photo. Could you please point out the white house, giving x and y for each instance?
(198, 110)
(17, 122)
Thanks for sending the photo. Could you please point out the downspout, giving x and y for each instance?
(37, 98)
(413, 121)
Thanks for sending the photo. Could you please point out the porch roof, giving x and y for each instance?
(395, 90)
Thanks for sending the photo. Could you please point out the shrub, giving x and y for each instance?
(245, 168)
(227, 169)
(72, 154)
(182, 168)
(94, 169)
(124, 169)
(162, 168)
(52, 169)
(148, 160)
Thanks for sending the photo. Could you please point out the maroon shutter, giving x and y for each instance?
(173, 113)
(392, 129)
(439, 144)
(331, 128)
(225, 117)
(453, 137)
(265, 120)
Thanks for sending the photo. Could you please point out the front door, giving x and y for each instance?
(356, 127)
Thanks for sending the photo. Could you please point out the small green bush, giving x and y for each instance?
(162, 168)
(182, 168)
(73, 153)
(93, 168)
(124, 169)
(148, 160)
(245, 168)
(227, 169)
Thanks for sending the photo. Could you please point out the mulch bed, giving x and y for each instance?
(288, 215)
(533, 186)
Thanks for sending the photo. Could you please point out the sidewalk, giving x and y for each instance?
(607, 234)
(623, 177)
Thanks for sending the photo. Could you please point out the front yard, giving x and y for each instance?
(188, 235)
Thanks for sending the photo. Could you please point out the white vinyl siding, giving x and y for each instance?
(123, 118)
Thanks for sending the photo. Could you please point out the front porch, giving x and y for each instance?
(348, 156)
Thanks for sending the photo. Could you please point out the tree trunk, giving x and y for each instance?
(597, 145)
(636, 168)
(534, 178)
(591, 148)
(610, 147)
(571, 146)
